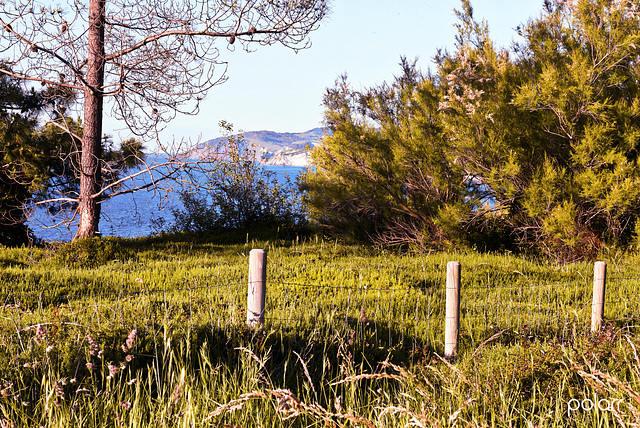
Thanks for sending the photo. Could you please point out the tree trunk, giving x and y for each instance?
(90, 171)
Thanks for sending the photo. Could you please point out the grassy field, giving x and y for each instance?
(151, 332)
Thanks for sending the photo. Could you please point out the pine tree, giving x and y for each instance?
(383, 172)
(582, 88)
(536, 145)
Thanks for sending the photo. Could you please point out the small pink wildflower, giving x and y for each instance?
(40, 333)
(59, 391)
(131, 339)
(6, 423)
(113, 370)
(93, 346)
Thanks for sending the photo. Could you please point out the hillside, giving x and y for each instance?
(275, 148)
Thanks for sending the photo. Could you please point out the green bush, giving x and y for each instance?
(91, 252)
(239, 195)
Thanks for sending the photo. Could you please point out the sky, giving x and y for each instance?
(276, 89)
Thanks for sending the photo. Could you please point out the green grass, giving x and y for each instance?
(351, 338)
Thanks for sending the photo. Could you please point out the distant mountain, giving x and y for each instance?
(274, 148)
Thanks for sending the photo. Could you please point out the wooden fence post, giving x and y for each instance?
(257, 287)
(452, 315)
(599, 285)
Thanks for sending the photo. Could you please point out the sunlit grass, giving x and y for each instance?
(351, 338)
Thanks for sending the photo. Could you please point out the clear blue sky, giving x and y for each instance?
(276, 89)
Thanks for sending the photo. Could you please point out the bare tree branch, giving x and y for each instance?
(153, 59)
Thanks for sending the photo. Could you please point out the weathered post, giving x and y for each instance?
(599, 285)
(452, 315)
(257, 287)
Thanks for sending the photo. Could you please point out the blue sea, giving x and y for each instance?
(132, 215)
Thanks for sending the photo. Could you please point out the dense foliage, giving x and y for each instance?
(238, 194)
(535, 145)
(26, 156)
(39, 156)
